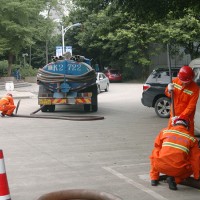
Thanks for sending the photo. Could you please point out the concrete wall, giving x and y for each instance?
(31, 79)
(10, 78)
(161, 60)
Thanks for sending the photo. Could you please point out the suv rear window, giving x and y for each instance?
(158, 76)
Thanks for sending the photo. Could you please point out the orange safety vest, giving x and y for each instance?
(175, 153)
(7, 105)
(6, 101)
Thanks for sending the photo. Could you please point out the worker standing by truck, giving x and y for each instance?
(7, 105)
(185, 93)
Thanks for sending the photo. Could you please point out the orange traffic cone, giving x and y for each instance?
(4, 190)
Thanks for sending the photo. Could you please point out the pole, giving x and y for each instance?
(170, 74)
(64, 30)
(63, 42)
(24, 61)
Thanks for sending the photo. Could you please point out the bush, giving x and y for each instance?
(28, 71)
(24, 71)
(3, 68)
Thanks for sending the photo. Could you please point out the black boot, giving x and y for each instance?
(171, 182)
(154, 182)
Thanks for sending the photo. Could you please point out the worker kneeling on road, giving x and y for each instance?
(175, 154)
(7, 105)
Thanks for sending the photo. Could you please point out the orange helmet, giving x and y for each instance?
(186, 74)
(9, 94)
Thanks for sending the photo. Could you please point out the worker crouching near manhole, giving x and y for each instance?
(7, 105)
(175, 154)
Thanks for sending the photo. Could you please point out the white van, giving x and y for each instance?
(195, 65)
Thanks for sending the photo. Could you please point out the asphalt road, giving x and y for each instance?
(110, 155)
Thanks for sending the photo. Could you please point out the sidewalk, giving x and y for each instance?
(22, 90)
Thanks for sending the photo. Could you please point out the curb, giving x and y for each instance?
(16, 85)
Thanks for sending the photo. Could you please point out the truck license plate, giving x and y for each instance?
(44, 101)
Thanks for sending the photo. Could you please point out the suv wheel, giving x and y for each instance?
(162, 107)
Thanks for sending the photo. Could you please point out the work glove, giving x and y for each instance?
(170, 87)
(174, 119)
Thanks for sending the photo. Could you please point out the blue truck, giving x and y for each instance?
(67, 82)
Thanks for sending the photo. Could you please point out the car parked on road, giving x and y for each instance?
(154, 91)
(114, 75)
(102, 82)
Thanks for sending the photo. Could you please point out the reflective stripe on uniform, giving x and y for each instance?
(188, 91)
(4, 98)
(179, 87)
(177, 146)
(180, 133)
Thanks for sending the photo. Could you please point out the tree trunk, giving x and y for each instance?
(10, 61)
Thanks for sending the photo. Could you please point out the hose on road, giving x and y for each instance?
(72, 118)
(63, 117)
(81, 194)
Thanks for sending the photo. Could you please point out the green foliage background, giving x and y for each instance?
(119, 33)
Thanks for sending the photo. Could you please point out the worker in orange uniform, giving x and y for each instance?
(7, 105)
(176, 154)
(186, 94)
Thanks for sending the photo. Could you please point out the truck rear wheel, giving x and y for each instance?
(43, 109)
(94, 98)
(87, 107)
(50, 108)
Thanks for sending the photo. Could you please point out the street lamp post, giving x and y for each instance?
(64, 30)
(24, 55)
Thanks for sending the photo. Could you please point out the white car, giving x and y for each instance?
(102, 82)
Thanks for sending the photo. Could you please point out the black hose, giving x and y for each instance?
(71, 118)
(17, 107)
(38, 109)
(48, 77)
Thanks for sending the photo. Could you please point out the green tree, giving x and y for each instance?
(184, 32)
(17, 24)
(112, 37)
(154, 10)
(123, 32)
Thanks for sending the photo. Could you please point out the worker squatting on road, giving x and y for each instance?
(7, 105)
(175, 154)
(186, 94)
